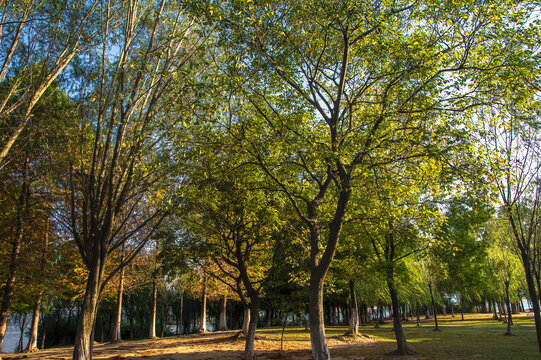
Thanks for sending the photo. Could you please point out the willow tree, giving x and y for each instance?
(116, 182)
(325, 85)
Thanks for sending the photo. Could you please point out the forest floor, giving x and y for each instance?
(477, 337)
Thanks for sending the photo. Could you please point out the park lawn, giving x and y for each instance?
(478, 337)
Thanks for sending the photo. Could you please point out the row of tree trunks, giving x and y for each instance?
(33, 336)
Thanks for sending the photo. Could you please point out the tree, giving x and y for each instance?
(232, 222)
(116, 185)
(324, 87)
(513, 146)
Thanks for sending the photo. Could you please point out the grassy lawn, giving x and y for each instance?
(477, 337)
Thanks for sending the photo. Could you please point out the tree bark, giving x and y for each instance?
(33, 338)
(246, 320)
(117, 337)
(418, 315)
(268, 317)
(249, 353)
(354, 314)
(203, 323)
(320, 350)
(509, 316)
(222, 325)
(179, 330)
(152, 327)
(84, 336)
(44, 332)
(434, 308)
(20, 346)
(403, 348)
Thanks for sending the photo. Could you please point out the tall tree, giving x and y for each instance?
(327, 86)
(115, 184)
(513, 144)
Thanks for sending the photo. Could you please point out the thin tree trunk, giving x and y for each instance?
(152, 328)
(180, 311)
(434, 308)
(203, 324)
(418, 315)
(354, 315)
(509, 316)
(33, 338)
(462, 308)
(20, 346)
(222, 326)
(268, 317)
(44, 332)
(117, 337)
(530, 281)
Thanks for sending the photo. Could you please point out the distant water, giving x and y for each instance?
(13, 333)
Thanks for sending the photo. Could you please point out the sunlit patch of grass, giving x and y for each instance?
(478, 336)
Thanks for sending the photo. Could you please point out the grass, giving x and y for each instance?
(477, 337)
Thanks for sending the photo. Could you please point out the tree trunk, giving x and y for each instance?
(462, 308)
(222, 326)
(250, 335)
(530, 281)
(84, 336)
(268, 317)
(428, 316)
(246, 320)
(354, 314)
(152, 328)
(20, 346)
(33, 339)
(44, 332)
(509, 316)
(434, 308)
(117, 337)
(320, 351)
(403, 348)
(180, 312)
(203, 323)
(132, 327)
(9, 287)
(381, 319)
